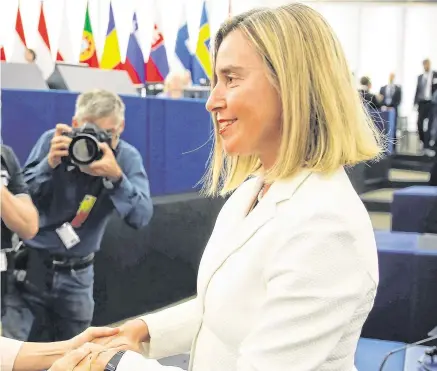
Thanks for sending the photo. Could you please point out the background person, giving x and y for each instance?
(372, 100)
(426, 87)
(18, 213)
(30, 55)
(75, 204)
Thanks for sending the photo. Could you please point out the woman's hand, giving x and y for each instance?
(91, 334)
(130, 336)
(88, 357)
(75, 357)
(97, 361)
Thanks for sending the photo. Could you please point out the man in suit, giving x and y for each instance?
(391, 97)
(426, 87)
(369, 98)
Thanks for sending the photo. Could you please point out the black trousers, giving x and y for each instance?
(424, 113)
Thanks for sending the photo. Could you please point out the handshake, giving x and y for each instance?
(94, 348)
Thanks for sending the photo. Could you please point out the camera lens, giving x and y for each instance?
(84, 150)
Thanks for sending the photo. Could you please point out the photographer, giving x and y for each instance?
(75, 196)
(18, 214)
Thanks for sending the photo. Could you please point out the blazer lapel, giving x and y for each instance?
(246, 226)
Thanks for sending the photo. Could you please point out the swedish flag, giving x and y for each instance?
(202, 62)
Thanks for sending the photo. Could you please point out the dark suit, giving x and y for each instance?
(370, 99)
(392, 98)
(425, 107)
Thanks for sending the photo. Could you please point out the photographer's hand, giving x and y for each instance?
(107, 166)
(59, 145)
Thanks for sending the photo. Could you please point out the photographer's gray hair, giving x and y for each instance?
(99, 103)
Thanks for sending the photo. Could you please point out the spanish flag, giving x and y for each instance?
(111, 58)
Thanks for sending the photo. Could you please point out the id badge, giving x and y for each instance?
(68, 235)
(3, 262)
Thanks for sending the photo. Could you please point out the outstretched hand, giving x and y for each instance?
(92, 334)
(88, 357)
(130, 337)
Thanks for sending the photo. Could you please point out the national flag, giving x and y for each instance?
(182, 51)
(202, 62)
(44, 58)
(111, 58)
(16, 54)
(65, 52)
(88, 51)
(134, 63)
(157, 66)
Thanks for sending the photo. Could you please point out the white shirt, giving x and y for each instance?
(427, 95)
(289, 285)
(389, 92)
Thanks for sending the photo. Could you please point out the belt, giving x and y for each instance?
(62, 263)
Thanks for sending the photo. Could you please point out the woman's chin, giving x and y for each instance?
(234, 147)
(230, 150)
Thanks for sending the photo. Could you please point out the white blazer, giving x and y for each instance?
(9, 350)
(286, 287)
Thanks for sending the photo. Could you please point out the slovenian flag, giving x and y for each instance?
(134, 64)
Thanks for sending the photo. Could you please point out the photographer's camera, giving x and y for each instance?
(84, 147)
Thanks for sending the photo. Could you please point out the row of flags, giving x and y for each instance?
(154, 70)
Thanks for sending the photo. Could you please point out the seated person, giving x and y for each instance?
(174, 85)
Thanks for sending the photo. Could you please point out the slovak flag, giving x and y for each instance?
(157, 65)
(134, 64)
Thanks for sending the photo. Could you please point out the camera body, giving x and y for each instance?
(84, 147)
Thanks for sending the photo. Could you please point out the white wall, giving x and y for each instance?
(377, 38)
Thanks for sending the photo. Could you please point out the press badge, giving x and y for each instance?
(3, 262)
(68, 235)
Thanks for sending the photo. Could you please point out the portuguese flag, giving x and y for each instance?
(88, 52)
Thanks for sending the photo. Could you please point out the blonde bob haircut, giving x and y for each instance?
(324, 122)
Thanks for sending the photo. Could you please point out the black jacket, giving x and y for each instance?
(419, 84)
(396, 97)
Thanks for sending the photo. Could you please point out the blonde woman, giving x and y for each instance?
(290, 272)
